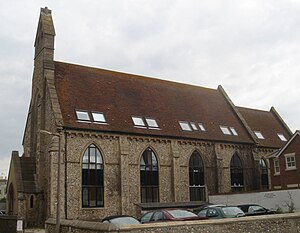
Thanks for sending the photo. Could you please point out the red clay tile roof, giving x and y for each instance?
(120, 96)
(268, 124)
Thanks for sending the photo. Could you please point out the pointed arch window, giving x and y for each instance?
(263, 174)
(149, 177)
(236, 174)
(196, 178)
(92, 178)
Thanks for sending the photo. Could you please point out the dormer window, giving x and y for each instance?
(282, 137)
(228, 130)
(259, 135)
(98, 117)
(82, 115)
(146, 122)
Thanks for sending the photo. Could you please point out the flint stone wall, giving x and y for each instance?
(269, 223)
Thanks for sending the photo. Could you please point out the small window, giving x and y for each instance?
(282, 137)
(185, 126)
(82, 115)
(151, 122)
(138, 121)
(233, 131)
(290, 161)
(259, 135)
(201, 127)
(98, 117)
(194, 127)
(225, 130)
(276, 167)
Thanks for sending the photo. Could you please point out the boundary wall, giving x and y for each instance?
(278, 223)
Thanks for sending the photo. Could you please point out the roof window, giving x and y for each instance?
(185, 126)
(82, 115)
(282, 137)
(228, 130)
(191, 126)
(146, 122)
(151, 122)
(138, 121)
(201, 127)
(259, 135)
(98, 117)
(85, 116)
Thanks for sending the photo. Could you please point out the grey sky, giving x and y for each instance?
(250, 47)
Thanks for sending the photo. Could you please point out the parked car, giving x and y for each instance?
(121, 220)
(220, 211)
(169, 215)
(254, 209)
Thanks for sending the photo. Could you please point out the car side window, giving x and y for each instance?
(202, 213)
(146, 217)
(211, 213)
(158, 216)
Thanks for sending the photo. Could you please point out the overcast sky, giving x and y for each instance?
(250, 47)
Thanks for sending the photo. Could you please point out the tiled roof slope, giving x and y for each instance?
(120, 96)
(268, 124)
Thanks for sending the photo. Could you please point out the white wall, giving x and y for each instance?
(271, 199)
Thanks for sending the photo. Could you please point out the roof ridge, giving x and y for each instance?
(131, 75)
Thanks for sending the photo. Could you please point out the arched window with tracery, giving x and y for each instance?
(236, 174)
(92, 178)
(263, 174)
(149, 177)
(196, 178)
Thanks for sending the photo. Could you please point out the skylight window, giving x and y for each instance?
(185, 126)
(82, 115)
(146, 122)
(282, 137)
(138, 121)
(228, 130)
(151, 122)
(225, 130)
(201, 127)
(194, 127)
(259, 135)
(233, 131)
(98, 117)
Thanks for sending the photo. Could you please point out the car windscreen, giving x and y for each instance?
(181, 214)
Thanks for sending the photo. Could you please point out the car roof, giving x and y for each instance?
(116, 216)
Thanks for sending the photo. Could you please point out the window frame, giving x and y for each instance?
(282, 137)
(225, 130)
(290, 165)
(149, 177)
(276, 166)
(79, 119)
(259, 135)
(99, 121)
(92, 178)
(196, 177)
(185, 123)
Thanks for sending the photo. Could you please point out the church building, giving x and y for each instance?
(99, 142)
